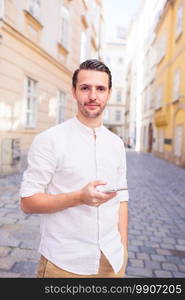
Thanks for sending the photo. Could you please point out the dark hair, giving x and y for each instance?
(92, 64)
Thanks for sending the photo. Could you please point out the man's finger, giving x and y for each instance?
(98, 182)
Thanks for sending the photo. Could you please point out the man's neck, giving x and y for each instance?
(91, 123)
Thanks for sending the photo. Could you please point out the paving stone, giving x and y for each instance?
(152, 244)
(178, 275)
(4, 251)
(148, 250)
(139, 272)
(29, 244)
(136, 263)
(131, 254)
(9, 242)
(163, 274)
(180, 247)
(169, 241)
(160, 233)
(6, 263)
(136, 242)
(24, 267)
(25, 254)
(152, 265)
(157, 257)
(163, 251)
(143, 256)
(181, 242)
(7, 220)
(173, 259)
(4, 274)
(133, 248)
(169, 266)
(182, 268)
(143, 238)
(167, 246)
(156, 239)
(134, 232)
(179, 253)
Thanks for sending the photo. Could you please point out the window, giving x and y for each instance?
(178, 140)
(159, 97)
(160, 140)
(34, 8)
(61, 114)
(84, 46)
(64, 27)
(118, 115)
(96, 16)
(30, 103)
(152, 96)
(179, 27)
(161, 47)
(1, 8)
(106, 115)
(176, 85)
(118, 96)
(120, 60)
(108, 60)
(148, 95)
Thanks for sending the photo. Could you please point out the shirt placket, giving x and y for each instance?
(96, 176)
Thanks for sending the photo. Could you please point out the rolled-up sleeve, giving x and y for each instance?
(41, 165)
(122, 182)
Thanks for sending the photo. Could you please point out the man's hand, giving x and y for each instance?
(90, 195)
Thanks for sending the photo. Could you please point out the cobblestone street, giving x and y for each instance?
(156, 222)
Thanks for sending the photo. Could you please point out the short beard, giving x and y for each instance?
(90, 115)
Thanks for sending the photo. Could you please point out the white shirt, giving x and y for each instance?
(63, 159)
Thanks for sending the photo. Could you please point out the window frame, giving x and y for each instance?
(61, 107)
(159, 96)
(2, 4)
(64, 27)
(36, 8)
(118, 113)
(176, 85)
(30, 110)
(179, 23)
(178, 145)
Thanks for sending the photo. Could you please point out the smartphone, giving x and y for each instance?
(108, 191)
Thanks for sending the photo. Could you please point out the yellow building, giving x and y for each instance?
(41, 44)
(169, 116)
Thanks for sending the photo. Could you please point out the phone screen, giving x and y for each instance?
(108, 191)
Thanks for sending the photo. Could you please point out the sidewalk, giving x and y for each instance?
(19, 233)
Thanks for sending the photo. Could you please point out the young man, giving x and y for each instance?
(83, 229)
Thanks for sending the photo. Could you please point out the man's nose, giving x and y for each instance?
(92, 94)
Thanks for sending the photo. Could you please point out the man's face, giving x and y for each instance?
(91, 93)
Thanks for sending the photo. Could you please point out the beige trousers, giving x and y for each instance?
(47, 269)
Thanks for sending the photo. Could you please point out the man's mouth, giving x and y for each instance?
(91, 106)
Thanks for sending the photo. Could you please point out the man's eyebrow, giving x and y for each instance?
(98, 85)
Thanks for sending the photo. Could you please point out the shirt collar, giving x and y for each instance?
(86, 129)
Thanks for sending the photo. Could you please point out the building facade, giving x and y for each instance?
(170, 91)
(41, 44)
(115, 110)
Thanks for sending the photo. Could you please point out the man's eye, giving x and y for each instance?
(101, 88)
(84, 88)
